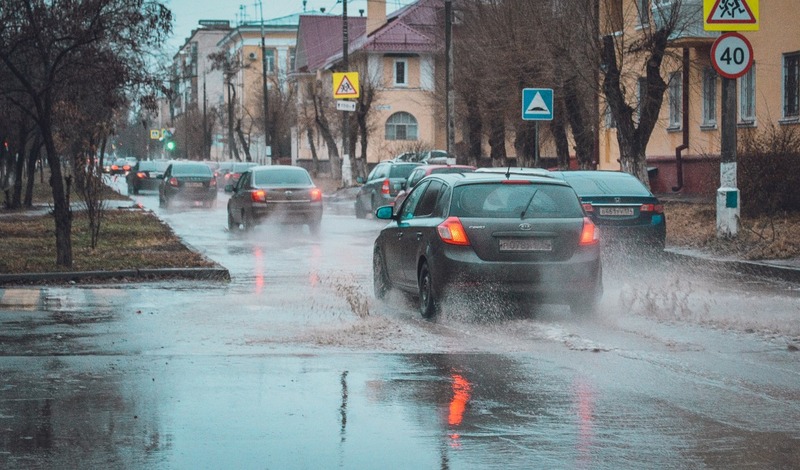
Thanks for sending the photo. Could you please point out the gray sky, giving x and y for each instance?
(187, 13)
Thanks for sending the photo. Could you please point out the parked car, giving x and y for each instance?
(382, 186)
(628, 213)
(189, 182)
(228, 173)
(424, 170)
(427, 156)
(283, 193)
(523, 236)
(146, 174)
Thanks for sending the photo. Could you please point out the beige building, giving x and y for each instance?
(395, 56)
(767, 95)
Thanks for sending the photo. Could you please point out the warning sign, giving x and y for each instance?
(730, 15)
(345, 85)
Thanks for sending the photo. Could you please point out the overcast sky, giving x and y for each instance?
(187, 13)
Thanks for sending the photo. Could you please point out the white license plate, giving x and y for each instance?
(526, 244)
(616, 211)
(194, 185)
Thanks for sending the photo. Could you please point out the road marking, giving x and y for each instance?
(20, 299)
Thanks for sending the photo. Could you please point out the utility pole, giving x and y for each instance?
(347, 170)
(267, 137)
(450, 104)
(206, 153)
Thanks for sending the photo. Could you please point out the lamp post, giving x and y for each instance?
(347, 170)
(267, 137)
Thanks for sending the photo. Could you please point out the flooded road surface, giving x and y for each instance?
(294, 364)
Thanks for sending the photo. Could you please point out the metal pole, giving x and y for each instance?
(267, 137)
(206, 154)
(727, 194)
(450, 104)
(347, 171)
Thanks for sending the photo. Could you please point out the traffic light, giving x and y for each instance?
(170, 145)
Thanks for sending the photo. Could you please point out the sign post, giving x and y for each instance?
(537, 105)
(345, 85)
(732, 57)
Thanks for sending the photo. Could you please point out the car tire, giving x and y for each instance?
(428, 304)
(166, 202)
(161, 201)
(374, 205)
(232, 226)
(314, 227)
(380, 278)
(361, 213)
(247, 221)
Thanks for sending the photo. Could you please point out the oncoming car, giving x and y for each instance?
(283, 193)
(526, 236)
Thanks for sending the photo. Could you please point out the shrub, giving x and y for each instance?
(768, 171)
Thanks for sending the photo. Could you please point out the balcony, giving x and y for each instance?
(688, 19)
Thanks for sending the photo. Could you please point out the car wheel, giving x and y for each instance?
(380, 278)
(166, 202)
(210, 204)
(314, 227)
(361, 213)
(161, 201)
(247, 221)
(135, 190)
(232, 226)
(375, 204)
(428, 306)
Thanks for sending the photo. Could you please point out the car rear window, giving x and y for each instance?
(401, 171)
(611, 185)
(241, 167)
(499, 200)
(152, 166)
(281, 177)
(191, 169)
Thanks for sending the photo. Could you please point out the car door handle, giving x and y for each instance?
(419, 235)
(399, 235)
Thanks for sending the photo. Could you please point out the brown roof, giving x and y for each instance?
(319, 39)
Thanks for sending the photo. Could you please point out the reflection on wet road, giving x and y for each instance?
(293, 364)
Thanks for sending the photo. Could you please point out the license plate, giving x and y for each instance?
(616, 211)
(526, 244)
(194, 185)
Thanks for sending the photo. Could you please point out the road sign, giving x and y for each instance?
(730, 15)
(732, 55)
(537, 104)
(345, 105)
(345, 85)
(155, 134)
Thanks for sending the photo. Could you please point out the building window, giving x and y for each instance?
(675, 100)
(401, 126)
(644, 12)
(747, 96)
(269, 57)
(401, 72)
(709, 97)
(791, 86)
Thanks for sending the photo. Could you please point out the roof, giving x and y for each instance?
(411, 29)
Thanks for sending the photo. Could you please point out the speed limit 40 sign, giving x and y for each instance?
(732, 55)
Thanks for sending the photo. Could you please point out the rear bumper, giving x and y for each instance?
(557, 282)
(290, 213)
(205, 194)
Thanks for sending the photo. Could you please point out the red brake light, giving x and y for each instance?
(126, 167)
(258, 195)
(316, 194)
(657, 208)
(212, 182)
(451, 231)
(114, 167)
(588, 207)
(385, 187)
(173, 181)
(590, 235)
(141, 175)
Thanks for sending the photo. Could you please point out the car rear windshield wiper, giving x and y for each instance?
(528, 205)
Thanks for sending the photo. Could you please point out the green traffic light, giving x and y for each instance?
(170, 145)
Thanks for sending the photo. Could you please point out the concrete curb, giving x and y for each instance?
(759, 268)
(214, 274)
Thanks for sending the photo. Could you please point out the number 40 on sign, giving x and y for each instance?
(732, 55)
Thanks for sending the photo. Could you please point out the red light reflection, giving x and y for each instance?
(461, 394)
(258, 254)
(585, 395)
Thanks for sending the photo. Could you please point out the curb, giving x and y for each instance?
(759, 268)
(215, 274)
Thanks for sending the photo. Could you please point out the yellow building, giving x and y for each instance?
(767, 95)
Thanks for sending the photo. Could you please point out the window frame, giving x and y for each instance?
(790, 96)
(709, 97)
(747, 96)
(675, 91)
(410, 128)
(395, 81)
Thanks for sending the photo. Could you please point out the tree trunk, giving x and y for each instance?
(325, 129)
(314, 158)
(34, 153)
(474, 131)
(245, 145)
(62, 214)
(582, 131)
(497, 137)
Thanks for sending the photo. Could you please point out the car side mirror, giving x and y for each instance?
(385, 212)
(360, 180)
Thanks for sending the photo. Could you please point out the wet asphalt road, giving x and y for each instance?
(293, 364)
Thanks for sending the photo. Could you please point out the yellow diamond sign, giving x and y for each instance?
(730, 15)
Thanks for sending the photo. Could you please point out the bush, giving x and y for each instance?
(768, 171)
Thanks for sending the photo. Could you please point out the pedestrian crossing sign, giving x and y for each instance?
(345, 85)
(155, 134)
(537, 104)
(730, 15)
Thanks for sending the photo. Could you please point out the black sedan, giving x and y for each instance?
(146, 175)
(283, 193)
(525, 236)
(188, 182)
(631, 217)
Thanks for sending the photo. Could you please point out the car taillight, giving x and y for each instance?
(258, 195)
(126, 167)
(316, 194)
(588, 207)
(590, 235)
(114, 167)
(212, 182)
(386, 186)
(141, 175)
(451, 231)
(657, 208)
(173, 181)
